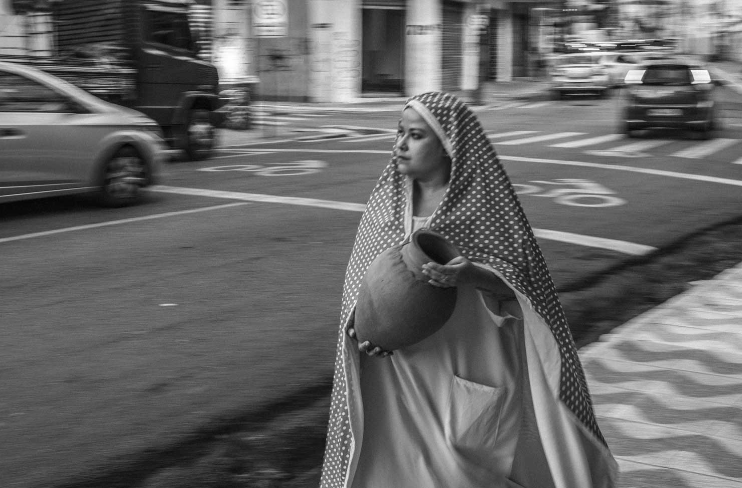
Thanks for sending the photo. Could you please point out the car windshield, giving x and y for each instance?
(667, 75)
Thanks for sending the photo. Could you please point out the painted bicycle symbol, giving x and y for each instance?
(294, 168)
(584, 193)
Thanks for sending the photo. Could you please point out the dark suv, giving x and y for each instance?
(669, 94)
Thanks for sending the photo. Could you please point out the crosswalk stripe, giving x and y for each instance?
(701, 150)
(511, 134)
(507, 105)
(269, 122)
(739, 161)
(366, 138)
(536, 105)
(640, 146)
(282, 117)
(590, 141)
(546, 137)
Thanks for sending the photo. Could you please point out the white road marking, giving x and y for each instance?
(536, 105)
(366, 138)
(545, 137)
(705, 149)
(269, 122)
(739, 161)
(619, 167)
(590, 141)
(589, 241)
(118, 222)
(253, 152)
(507, 105)
(514, 133)
(599, 242)
(636, 147)
(258, 197)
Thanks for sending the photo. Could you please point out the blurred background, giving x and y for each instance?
(331, 51)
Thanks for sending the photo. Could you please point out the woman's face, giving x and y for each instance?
(419, 153)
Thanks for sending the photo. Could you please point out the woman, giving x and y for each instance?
(497, 397)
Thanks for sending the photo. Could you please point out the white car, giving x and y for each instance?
(579, 74)
(57, 139)
(617, 65)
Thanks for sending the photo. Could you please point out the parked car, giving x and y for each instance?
(57, 139)
(579, 74)
(669, 94)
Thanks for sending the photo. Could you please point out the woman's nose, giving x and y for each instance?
(402, 143)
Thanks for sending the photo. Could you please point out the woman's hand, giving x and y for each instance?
(461, 271)
(458, 271)
(365, 346)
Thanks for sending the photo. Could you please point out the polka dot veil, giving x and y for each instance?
(480, 214)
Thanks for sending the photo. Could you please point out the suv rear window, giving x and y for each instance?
(667, 75)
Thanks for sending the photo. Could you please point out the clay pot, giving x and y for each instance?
(397, 307)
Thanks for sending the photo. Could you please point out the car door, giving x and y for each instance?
(40, 147)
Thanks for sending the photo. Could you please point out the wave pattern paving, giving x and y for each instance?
(667, 389)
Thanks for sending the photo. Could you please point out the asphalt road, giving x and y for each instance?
(127, 329)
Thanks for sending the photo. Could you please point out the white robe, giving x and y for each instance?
(446, 411)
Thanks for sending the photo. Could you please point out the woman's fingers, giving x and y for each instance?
(372, 350)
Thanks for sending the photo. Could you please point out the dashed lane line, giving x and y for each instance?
(118, 222)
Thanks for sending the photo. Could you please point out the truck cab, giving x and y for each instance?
(176, 88)
(147, 55)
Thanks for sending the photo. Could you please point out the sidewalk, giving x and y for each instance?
(667, 389)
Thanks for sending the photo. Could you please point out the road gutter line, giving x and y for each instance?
(118, 222)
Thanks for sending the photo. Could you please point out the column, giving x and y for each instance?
(335, 50)
(505, 45)
(423, 31)
(470, 64)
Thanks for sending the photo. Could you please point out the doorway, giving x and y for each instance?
(383, 50)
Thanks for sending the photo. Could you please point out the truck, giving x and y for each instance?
(141, 54)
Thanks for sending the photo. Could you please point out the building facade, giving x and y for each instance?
(340, 50)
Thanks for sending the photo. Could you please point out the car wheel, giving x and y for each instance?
(200, 135)
(123, 176)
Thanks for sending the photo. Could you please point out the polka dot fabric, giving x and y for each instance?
(480, 213)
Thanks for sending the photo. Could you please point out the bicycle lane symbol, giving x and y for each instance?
(293, 168)
(584, 193)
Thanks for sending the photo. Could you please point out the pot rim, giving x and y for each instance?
(435, 246)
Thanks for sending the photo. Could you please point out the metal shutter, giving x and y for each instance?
(493, 41)
(453, 33)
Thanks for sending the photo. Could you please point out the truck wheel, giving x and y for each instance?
(200, 135)
(123, 177)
